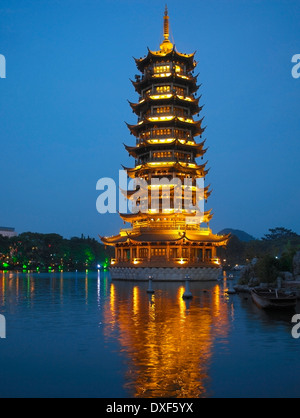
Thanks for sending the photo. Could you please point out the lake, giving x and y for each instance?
(82, 335)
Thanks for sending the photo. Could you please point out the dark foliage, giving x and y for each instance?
(43, 252)
(280, 244)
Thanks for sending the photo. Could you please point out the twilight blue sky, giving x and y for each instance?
(64, 103)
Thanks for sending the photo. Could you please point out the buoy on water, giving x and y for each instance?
(150, 290)
(187, 293)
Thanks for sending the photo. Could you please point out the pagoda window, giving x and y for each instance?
(143, 252)
(158, 252)
(184, 252)
(182, 156)
(162, 89)
(147, 92)
(178, 111)
(181, 134)
(162, 155)
(181, 111)
(145, 135)
(162, 132)
(200, 254)
(178, 69)
(180, 91)
(162, 110)
(174, 252)
(208, 254)
(159, 69)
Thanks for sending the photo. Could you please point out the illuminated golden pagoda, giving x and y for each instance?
(166, 242)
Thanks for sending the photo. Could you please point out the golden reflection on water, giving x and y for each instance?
(112, 302)
(17, 285)
(168, 341)
(135, 301)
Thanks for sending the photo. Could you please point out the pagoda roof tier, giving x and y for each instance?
(164, 56)
(171, 166)
(206, 217)
(149, 79)
(183, 143)
(207, 192)
(177, 121)
(140, 216)
(219, 240)
(141, 148)
(172, 98)
(167, 236)
(130, 193)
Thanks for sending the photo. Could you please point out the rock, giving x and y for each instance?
(247, 273)
(241, 288)
(296, 264)
(264, 285)
(279, 282)
(253, 282)
(286, 275)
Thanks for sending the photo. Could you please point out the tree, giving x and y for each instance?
(33, 250)
(279, 233)
(235, 251)
(267, 269)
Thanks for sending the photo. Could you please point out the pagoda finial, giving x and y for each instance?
(166, 46)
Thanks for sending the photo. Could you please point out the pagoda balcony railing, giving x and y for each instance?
(169, 226)
(165, 261)
(125, 231)
(165, 159)
(160, 116)
(169, 72)
(145, 227)
(171, 135)
(157, 159)
(154, 92)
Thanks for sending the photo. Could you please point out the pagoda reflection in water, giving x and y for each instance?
(169, 344)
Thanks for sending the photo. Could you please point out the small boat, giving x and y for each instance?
(273, 299)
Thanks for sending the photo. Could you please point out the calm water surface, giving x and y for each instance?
(82, 335)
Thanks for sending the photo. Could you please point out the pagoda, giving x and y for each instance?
(167, 242)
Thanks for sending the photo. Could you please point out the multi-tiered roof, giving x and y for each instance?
(166, 147)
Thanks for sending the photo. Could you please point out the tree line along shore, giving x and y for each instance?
(275, 252)
(51, 252)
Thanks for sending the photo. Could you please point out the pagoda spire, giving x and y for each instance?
(166, 46)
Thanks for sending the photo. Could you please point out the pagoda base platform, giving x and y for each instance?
(167, 274)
